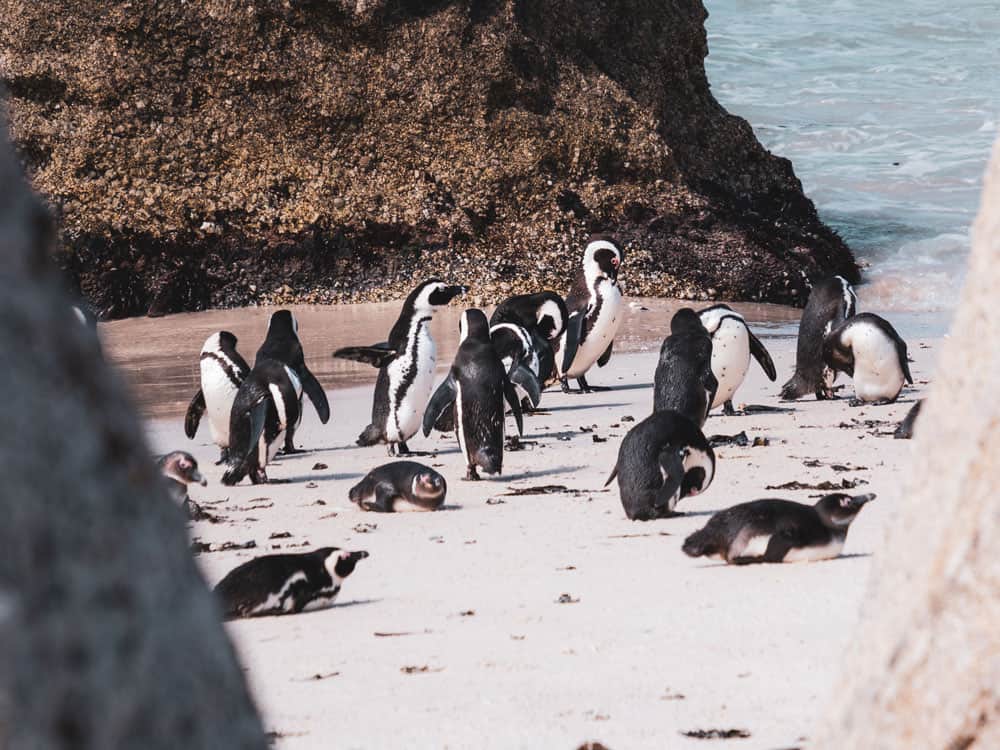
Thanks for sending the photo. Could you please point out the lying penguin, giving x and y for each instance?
(180, 469)
(398, 487)
(732, 344)
(662, 460)
(406, 367)
(831, 301)
(477, 385)
(684, 381)
(868, 349)
(778, 530)
(543, 316)
(282, 344)
(286, 584)
(223, 371)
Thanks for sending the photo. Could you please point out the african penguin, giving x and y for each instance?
(684, 381)
(543, 316)
(904, 430)
(398, 487)
(868, 349)
(286, 584)
(222, 372)
(265, 405)
(732, 344)
(180, 469)
(406, 367)
(517, 351)
(831, 301)
(477, 385)
(777, 530)
(596, 311)
(282, 344)
(662, 460)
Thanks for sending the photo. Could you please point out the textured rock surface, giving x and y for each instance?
(108, 636)
(925, 670)
(222, 152)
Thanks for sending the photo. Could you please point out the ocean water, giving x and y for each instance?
(888, 112)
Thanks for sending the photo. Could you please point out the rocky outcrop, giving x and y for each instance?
(223, 153)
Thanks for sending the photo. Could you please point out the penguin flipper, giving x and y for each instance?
(194, 413)
(442, 398)
(762, 356)
(515, 404)
(904, 360)
(604, 358)
(525, 378)
(377, 355)
(711, 384)
(314, 390)
(611, 476)
(574, 334)
(779, 545)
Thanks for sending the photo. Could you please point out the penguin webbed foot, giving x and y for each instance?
(586, 387)
(728, 410)
(472, 475)
(223, 457)
(564, 384)
(258, 476)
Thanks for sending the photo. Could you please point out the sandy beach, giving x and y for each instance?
(548, 620)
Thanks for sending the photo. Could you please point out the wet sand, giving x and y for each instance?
(452, 634)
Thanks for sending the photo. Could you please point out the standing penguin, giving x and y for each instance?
(662, 460)
(732, 344)
(282, 344)
(543, 316)
(831, 301)
(222, 372)
(684, 381)
(777, 530)
(517, 351)
(406, 367)
(596, 312)
(868, 349)
(265, 405)
(477, 384)
(286, 584)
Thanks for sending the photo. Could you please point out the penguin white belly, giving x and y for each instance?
(602, 332)
(817, 552)
(755, 546)
(877, 374)
(730, 359)
(281, 599)
(219, 393)
(408, 398)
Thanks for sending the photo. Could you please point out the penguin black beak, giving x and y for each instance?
(860, 500)
(196, 476)
(454, 291)
(359, 555)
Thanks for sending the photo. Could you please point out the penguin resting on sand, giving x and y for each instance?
(398, 487)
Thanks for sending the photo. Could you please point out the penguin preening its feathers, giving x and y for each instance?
(873, 354)
(544, 317)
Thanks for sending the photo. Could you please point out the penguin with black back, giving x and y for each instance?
(904, 430)
(286, 584)
(267, 403)
(406, 367)
(831, 302)
(684, 381)
(867, 348)
(596, 311)
(662, 460)
(544, 317)
(282, 344)
(517, 350)
(477, 385)
(398, 487)
(732, 344)
(180, 469)
(223, 371)
(777, 531)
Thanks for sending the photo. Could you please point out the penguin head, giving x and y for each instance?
(474, 325)
(283, 322)
(340, 562)
(227, 341)
(712, 317)
(602, 256)
(433, 294)
(836, 355)
(686, 320)
(838, 510)
(551, 316)
(181, 467)
(429, 484)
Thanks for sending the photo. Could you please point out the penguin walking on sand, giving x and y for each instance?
(684, 381)
(831, 302)
(662, 460)
(282, 344)
(223, 371)
(406, 367)
(596, 312)
(544, 317)
(286, 584)
(778, 530)
(732, 344)
(399, 487)
(477, 385)
(265, 405)
(868, 349)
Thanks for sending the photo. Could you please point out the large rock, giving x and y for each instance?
(109, 638)
(222, 152)
(925, 668)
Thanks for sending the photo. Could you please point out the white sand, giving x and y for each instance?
(657, 644)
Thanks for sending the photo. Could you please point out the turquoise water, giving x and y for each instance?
(888, 112)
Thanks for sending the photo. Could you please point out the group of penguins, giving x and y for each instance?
(531, 341)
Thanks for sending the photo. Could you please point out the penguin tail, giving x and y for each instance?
(611, 477)
(372, 435)
(234, 473)
(700, 543)
(795, 388)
